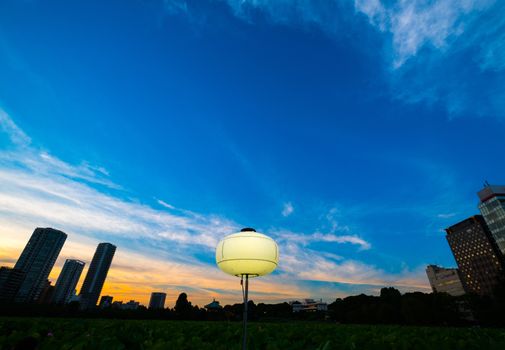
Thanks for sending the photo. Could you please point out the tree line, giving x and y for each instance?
(390, 307)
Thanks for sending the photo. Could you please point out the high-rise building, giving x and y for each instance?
(479, 260)
(157, 300)
(37, 260)
(97, 272)
(67, 280)
(492, 208)
(46, 295)
(10, 281)
(443, 280)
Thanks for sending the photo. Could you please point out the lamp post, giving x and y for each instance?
(247, 254)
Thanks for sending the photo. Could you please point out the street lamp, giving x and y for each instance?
(247, 254)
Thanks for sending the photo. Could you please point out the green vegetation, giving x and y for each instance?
(54, 333)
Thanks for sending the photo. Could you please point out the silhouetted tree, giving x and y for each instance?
(389, 306)
(274, 311)
(390, 294)
(183, 307)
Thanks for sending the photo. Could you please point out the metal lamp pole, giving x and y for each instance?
(247, 253)
(245, 292)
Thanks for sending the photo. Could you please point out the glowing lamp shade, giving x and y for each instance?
(247, 253)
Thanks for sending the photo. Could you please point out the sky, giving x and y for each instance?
(352, 132)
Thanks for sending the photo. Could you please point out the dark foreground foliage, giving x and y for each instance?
(389, 308)
(44, 333)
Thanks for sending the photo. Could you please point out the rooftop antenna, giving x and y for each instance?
(486, 184)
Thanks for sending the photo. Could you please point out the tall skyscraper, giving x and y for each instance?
(37, 260)
(93, 283)
(157, 300)
(479, 260)
(10, 281)
(444, 280)
(67, 280)
(492, 208)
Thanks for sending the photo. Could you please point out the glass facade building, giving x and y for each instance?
(492, 208)
(443, 280)
(479, 260)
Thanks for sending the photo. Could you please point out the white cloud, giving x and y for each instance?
(320, 13)
(305, 239)
(174, 7)
(287, 209)
(431, 46)
(446, 215)
(332, 217)
(417, 23)
(38, 189)
(412, 24)
(16, 135)
(307, 264)
(165, 204)
(353, 239)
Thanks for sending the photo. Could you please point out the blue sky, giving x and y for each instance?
(353, 132)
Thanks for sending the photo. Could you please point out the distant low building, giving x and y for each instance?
(309, 305)
(157, 300)
(105, 301)
(117, 304)
(131, 305)
(213, 306)
(443, 280)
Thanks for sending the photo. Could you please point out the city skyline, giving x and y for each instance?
(474, 242)
(162, 126)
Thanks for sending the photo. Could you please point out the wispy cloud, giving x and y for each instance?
(417, 23)
(175, 6)
(305, 239)
(307, 264)
(324, 14)
(333, 217)
(440, 51)
(287, 209)
(36, 186)
(446, 215)
(16, 135)
(412, 24)
(432, 49)
(39, 189)
(165, 204)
